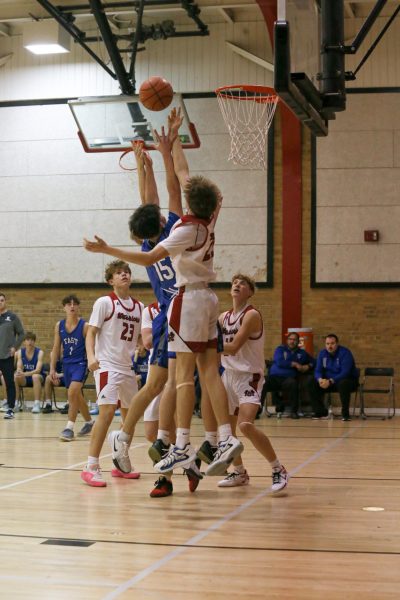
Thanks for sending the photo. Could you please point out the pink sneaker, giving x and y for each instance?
(118, 473)
(93, 478)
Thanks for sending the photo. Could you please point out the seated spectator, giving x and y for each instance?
(335, 371)
(49, 386)
(29, 371)
(289, 362)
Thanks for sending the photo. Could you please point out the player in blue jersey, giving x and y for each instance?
(148, 226)
(69, 334)
(29, 371)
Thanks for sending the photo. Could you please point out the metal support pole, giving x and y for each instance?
(332, 41)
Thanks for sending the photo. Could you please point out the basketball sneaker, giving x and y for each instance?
(9, 414)
(227, 450)
(36, 407)
(163, 487)
(94, 478)
(118, 473)
(280, 480)
(194, 475)
(234, 479)
(206, 452)
(158, 450)
(119, 452)
(86, 429)
(176, 457)
(67, 435)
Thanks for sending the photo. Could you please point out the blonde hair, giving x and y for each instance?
(250, 282)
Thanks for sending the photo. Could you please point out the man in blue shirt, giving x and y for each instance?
(335, 371)
(289, 362)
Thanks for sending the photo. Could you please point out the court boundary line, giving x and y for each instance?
(129, 583)
(56, 471)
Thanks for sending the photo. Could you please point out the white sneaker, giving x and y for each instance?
(36, 407)
(226, 452)
(234, 479)
(280, 480)
(119, 452)
(176, 457)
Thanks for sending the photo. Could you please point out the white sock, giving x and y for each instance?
(276, 465)
(70, 425)
(125, 437)
(224, 431)
(92, 461)
(47, 401)
(163, 434)
(182, 437)
(211, 437)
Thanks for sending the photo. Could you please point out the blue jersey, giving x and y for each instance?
(161, 274)
(29, 364)
(73, 343)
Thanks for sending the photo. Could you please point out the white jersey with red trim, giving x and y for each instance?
(119, 324)
(250, 357)
(149, 314)
(191, 248)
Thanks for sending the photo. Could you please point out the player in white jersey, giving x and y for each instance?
(192, 315)
(243, 378)
(111, 340)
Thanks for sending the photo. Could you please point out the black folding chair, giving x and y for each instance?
(378, 380)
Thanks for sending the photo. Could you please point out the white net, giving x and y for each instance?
(248, 112)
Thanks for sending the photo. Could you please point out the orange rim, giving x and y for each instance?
(261, 93)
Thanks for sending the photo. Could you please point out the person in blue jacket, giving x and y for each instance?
(335, 371)
(289, 362)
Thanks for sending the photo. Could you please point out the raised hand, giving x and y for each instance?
(97, 246)
(175, 120)
(163, 141)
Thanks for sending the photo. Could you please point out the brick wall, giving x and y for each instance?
(362, 318)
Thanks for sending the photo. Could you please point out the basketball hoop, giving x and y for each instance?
(248, 111)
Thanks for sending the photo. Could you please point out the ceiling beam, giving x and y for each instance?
(252, 57)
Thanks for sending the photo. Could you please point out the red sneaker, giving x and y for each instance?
(163, 487)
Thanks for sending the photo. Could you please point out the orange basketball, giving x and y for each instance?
(156, 93)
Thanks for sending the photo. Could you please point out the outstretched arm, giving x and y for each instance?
(173, 187)
(138, 152)
(180, 163)
(146, 259)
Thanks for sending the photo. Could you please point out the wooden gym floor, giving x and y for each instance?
(61, 539)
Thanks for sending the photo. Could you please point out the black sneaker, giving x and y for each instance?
(206, 452)
(163, 487)
(9, 414)
(157, 451)
(64, 409)
(47, 409)
(346, 418)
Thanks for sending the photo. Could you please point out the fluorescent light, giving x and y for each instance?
(46, 49)
(46, 37)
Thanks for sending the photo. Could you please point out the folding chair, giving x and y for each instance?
(382, 380)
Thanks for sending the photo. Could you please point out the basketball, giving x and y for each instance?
(156, 93)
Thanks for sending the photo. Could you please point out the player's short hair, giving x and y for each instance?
(4, 296)
(202, 196)
(332, 335)
(114, 266)
(70, 298)
(145, 222)
(250, 282)
(30, 336)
